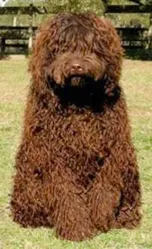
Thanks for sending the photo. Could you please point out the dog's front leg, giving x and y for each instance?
(128, 213)
(114, 198)
(71, 216)
(104, 196)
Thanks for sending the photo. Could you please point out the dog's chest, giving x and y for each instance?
(80, 144)
(80, 133)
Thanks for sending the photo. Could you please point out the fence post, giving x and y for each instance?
(105, 3)
(15, 18)
(2, 46)
(30, 41)
(150, 33)
(14, 21)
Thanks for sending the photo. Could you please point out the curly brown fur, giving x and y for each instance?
(76, 167)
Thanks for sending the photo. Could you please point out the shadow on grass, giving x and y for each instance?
(4, 56)
(7, 54)
(139, 54)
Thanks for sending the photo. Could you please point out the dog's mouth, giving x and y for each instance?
(78, 80)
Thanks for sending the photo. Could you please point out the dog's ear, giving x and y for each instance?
(108, 46)
(54, 72)
(111, 89)
(44, 51)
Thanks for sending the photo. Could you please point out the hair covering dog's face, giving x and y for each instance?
(76, 68)
(76, 61)
(73, 49)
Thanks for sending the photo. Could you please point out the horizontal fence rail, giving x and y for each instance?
(128, 9)
(28, 10)
(133, 37)
(10, 36)
(19, 39)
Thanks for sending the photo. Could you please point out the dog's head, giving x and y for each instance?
(76, 69)
(74, 50)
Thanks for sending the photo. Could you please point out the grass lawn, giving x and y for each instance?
(137, 84)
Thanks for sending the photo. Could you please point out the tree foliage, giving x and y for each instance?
(24, 3)
(75, 5)
(142, 1)
(56, 6)
(123, 2)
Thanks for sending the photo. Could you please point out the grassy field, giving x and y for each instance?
(14, 80)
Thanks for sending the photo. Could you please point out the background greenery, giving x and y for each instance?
(14, 83)
(96, 6)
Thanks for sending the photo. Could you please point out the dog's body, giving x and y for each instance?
(76, 166)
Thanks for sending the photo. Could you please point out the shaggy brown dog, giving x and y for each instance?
(76, 166)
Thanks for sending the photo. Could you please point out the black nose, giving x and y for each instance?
(76, 68)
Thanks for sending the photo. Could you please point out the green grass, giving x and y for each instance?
(137, 84)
